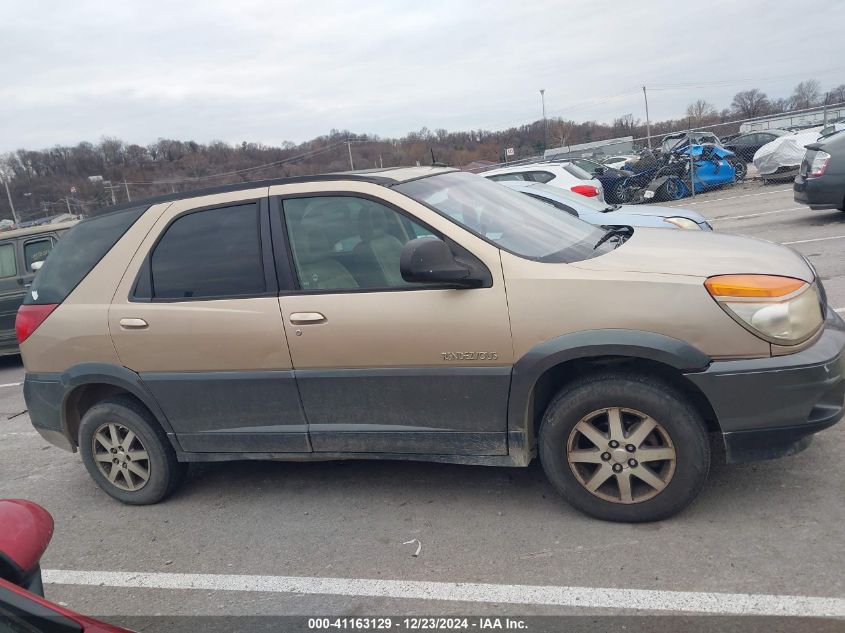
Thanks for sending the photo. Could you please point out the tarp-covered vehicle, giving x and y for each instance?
(781, 159)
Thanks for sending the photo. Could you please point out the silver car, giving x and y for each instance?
(600, 213)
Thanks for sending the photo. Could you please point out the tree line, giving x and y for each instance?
(87, 177)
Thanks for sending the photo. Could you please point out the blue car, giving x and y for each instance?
(602, 214)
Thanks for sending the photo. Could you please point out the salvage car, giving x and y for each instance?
(604, 214)
(746, 145)
(780, 159)
(820, 182)
(423, 314)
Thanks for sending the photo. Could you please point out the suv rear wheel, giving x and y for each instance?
(624, 448)
(127, 453)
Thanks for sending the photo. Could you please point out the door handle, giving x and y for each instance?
(307, 318)
(133, 324)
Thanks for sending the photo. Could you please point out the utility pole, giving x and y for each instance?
(9, 196)
(824, 114)
(349, 148)
(126, 186)
(647, 120)
(545, 124)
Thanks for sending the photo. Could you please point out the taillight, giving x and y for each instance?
(586, 190)
(30, 317)
(819, 164)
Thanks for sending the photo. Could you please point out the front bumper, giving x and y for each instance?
(769, 407)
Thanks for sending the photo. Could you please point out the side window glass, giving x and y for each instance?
(516, 176)
(8, 265)
(541, 176)
(206, 254)
(347, 243)
(36, 251)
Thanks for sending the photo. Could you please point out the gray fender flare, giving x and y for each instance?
(589, 344)
(104, 373)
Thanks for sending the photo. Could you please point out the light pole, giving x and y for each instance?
(545, 125)
(647, 120)
(9, 196)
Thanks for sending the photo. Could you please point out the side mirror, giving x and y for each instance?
(25, 531)
(430, 260)
(599, 171)
(36, 266)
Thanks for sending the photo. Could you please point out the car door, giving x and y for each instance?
(197, 317)
(11, 293)
(383, 365)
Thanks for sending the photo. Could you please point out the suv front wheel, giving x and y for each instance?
(624, 448)
(127, 453)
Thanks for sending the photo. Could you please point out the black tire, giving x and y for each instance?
(653, 398)
(165, 472)
(741, 169)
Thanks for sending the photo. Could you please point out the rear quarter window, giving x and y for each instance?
(76, 254)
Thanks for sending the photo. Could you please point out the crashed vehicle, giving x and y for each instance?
(781, 159)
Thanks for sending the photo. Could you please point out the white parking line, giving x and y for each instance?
(754, 215)
(12, 384)
(744, 195)
(816, 239)
(594, 597)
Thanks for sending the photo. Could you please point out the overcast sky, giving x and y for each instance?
(274, 71)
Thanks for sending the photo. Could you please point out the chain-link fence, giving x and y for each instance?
(679, 163)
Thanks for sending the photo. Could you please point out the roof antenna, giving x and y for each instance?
(434, 162)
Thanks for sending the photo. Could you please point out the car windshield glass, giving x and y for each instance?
(510, 220)
(569, 197)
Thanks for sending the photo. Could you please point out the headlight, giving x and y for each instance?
(682, 223)
(781, 310)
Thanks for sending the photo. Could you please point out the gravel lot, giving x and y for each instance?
(770, 528)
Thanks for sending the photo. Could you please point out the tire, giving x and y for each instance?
(149, 445)
(620, 194)
(680, 430)
(741, 169)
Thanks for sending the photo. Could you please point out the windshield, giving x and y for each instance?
(510, 220)
(570, 197)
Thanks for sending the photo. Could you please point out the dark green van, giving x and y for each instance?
(20, 249)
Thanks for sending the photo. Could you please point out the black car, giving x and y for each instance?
(820, 182)
(746, 145)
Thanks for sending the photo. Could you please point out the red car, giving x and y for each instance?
(25, 532)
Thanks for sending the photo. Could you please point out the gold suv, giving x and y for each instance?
(427, 314)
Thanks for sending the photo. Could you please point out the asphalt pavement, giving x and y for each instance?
(339, 538)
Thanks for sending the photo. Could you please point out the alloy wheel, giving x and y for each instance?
(121, 457)
(621, 455)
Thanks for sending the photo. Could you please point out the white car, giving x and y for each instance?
(562, 175)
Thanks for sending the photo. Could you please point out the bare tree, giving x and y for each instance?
(837, 95)
(750, 103)
(701, 111)
(806, 94)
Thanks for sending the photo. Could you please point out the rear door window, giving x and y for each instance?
(514, 176)
(210, 254)
(540, 176)
(36, 251)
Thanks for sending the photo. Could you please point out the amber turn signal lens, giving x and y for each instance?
(766, 286)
